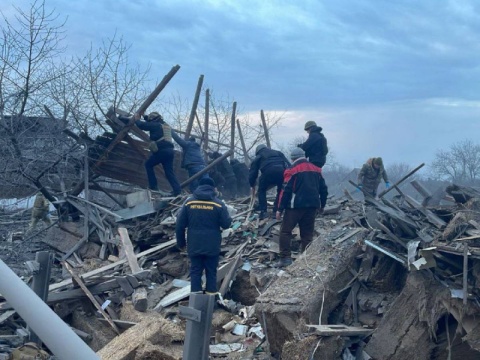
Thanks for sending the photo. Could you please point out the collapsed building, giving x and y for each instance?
(392, 278)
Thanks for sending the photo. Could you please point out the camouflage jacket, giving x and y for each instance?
(370, 178)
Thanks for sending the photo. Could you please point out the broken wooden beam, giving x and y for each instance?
(108, 267)
(401, 180)
(265, 129)
(427, 195)
(340, 330)
(194, 107)
(139, 296)
(207, 168)
(90, 296)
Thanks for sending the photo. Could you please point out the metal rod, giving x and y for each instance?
(465, 273)
(194, 108)
(55, 333)
(265, 129)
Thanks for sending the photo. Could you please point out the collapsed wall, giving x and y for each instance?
(306, 289)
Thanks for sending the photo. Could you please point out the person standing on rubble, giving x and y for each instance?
(40, 211)
(192, 159)
(271, 164)
(204, 215)
(241, 174)
(224, 172)
(161, 150)
(370, 176)
(315, 147)
(299, 199)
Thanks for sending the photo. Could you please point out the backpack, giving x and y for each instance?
(29, 351)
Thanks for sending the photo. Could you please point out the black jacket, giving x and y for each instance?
(223, 167)
(192, 154)
(265, 159)
(156, 132)
(240, 170)
(203, 214)
(303, 187)
(315, 147)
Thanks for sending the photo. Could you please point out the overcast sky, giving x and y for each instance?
(398, 79)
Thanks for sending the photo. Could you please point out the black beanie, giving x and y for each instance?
(207, 181)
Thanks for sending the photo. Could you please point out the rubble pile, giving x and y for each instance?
(385, 279)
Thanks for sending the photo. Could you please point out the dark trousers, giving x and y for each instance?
(230, 187)
(197, 265)
(305, 218)
(272, 176)
(192, 170)
(164, 157)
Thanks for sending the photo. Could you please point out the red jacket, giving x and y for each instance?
(303, 187)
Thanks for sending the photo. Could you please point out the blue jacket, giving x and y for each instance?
(192, 155)
(203, 214)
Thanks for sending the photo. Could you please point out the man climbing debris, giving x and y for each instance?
(271, 164)
(315, 147)
(192, 159)
(204, 215)
(370, 176)
(304, 193)
(161, 150)
(40, 211)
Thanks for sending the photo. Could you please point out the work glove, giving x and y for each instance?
(387, 184)
(359, 188)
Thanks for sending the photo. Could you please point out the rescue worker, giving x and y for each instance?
(370, 176)
(161, 150)
(241, 173)
(304, 193)
(315, 147)
(271, 164)
(204, 215)
(224, 173)
(40, 211)
(192, 159)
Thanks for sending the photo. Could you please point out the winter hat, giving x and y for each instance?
(378, 161)
(297, 153)
(207, 181)
(310, 124)
(260, 147)
(154, 115)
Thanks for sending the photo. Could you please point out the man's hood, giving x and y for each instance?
(205, 192)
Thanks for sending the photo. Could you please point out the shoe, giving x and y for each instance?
(283, 262)
(263, 215)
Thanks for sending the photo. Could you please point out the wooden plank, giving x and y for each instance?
(427, 195)
(468, 238)
(348, 236)
(431, 217)
(340, 330)
(91, 297)
(139, 297)
(401, 180)
(6, 315)
(173, 297)
(122, 324)
(105, 268)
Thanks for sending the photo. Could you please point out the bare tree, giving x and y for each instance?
(461, 163)
(29, 45)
